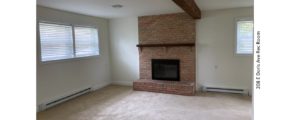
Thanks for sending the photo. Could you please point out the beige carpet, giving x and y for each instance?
(122, 103)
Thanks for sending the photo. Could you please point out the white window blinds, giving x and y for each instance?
(56, 41)
(59, 41)
(86, 41)
(244, 44)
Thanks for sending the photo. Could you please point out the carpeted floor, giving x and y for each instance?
(122, 103)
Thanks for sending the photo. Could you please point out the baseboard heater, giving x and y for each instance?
(62, 99)
(225, 90)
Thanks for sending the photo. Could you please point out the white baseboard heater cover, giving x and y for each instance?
(46, 105)
(225, 90)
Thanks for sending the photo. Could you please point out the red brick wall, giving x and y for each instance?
(169, 28)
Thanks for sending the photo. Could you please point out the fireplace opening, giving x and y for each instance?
(165, 69)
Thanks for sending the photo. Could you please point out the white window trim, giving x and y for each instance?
(66, 59)
(69, 59)
(235, 39)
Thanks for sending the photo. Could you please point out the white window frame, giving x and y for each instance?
(236, 35)
(73, 35)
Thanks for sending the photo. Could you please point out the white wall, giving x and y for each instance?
(217, 65)
(60, 78)
(124, 53)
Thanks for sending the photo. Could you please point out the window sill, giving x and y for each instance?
(69, 59)
(246, 55)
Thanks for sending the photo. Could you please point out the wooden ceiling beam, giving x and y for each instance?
(190, 7)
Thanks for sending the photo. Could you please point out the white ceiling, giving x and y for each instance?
(103, 8)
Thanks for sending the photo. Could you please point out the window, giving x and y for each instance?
(59, 42)
(245, 34)
(86, 40)
(56, 41)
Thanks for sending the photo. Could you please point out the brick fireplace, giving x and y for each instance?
(168, 37)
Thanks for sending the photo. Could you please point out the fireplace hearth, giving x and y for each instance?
(165, 69)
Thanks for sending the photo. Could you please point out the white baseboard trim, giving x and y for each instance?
(125, 83)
